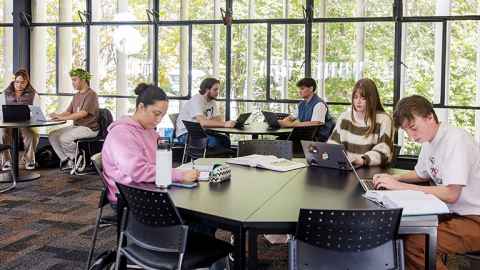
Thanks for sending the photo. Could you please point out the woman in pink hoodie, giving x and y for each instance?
(128, 154)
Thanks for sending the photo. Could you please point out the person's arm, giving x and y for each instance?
(89, 106)
(448, 194)
(204, 122)
(382, 152)
(134, 166)
(335, 137)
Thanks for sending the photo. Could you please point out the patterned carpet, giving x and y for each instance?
(48, 223)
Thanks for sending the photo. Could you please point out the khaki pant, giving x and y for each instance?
(30, 142)
(63, 140)
(456, 234)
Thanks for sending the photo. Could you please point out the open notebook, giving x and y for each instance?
(413, 202)
(267, 162)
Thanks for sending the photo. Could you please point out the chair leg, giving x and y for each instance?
(14, 182)
(94, 237)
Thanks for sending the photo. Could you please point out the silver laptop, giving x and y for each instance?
(367, 184)
(36, 114)
(332, 156)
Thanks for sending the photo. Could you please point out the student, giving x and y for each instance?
(312, 111)
(83, 110)
(21, 92)
(202, 108)
(129, 151)
(365, 129)
(451, 158)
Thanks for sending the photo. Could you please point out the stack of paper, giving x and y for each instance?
(267, 162)
(413, 202)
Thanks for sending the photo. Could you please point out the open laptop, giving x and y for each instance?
(242, 118)
(332, 156)
(37, 114)
(271, 119)
(15, 113)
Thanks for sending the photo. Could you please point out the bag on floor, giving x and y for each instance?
(46, 157)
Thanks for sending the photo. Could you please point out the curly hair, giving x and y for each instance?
(81, 73)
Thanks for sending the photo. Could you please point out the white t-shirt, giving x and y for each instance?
(196, 106)
(453, 158)
(318, 114)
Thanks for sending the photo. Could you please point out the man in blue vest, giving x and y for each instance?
(312, 111)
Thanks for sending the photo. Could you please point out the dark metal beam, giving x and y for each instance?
(21, 34)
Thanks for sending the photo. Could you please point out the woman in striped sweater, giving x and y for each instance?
(365, 130)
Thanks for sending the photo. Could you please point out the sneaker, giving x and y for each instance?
(30, 165)
(66, 164)
(77, 167)
(7, 166)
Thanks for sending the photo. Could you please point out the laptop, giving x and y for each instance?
(271, 119)
(367, 184)
(15, 113)
(242, 118)
(37, 114)
(332, 156)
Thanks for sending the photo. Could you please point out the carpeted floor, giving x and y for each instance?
(48, 223)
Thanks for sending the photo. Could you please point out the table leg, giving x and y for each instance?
(431, 249)
(252, 249)
(239, 249)
(15, 143)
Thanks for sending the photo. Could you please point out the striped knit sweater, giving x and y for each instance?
(376, 148)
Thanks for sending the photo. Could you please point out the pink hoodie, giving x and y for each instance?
(128, 155)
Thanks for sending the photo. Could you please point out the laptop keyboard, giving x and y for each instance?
(369, 184)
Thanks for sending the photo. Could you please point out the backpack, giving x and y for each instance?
(46, 157)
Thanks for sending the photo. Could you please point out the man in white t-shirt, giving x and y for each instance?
(202, 108)
(451, 159)
(312, 110)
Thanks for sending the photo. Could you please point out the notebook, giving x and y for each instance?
(267, 162)
(413, 202)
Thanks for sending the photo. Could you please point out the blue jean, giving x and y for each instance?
(213, 140)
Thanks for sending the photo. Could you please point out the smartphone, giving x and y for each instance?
(185, 185)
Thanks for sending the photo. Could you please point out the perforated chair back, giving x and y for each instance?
(152, 220)
(278, 148)
(173, 117)
(347, 239)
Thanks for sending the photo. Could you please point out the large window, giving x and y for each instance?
(261, 55)
(6, 42)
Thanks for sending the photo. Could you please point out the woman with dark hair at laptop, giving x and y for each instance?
(365, 129)
(20, 92)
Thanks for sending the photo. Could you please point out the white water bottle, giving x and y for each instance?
(163, 175)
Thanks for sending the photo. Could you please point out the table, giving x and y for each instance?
(15, 126)
(253, 129)
(257, 201)
(329, 189)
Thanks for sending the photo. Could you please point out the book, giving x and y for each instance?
(269, 162)
(413, 202)
(204, 170)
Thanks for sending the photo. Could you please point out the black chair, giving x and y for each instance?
(278, 148)
(154, 236)
(4, 148)
(196, 145)
(298, 134)
(347, 239)
(100, 221)
(88, 146)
